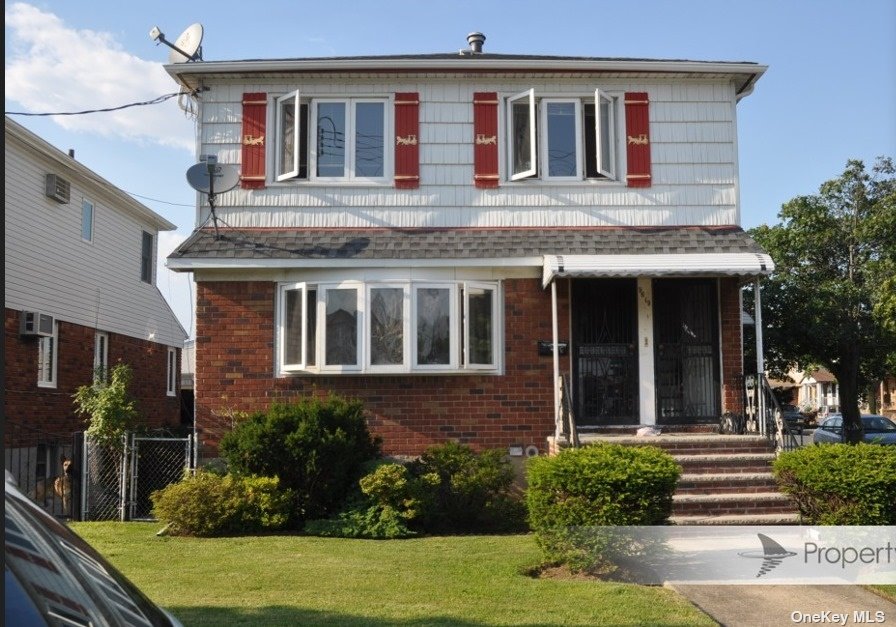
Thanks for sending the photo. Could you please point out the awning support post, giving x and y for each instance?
(558, 428)
(760, 356)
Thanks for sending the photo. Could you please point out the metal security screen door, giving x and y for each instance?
(605, 359)
(687, 350)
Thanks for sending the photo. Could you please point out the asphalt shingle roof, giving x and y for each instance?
(458, 243)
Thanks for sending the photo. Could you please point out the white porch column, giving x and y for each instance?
(760, 355)
(556, 352)
(646, 375)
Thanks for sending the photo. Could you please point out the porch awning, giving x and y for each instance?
(741, 264)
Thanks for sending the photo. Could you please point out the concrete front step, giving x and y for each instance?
(687, 444)
(776, 518)
(731, 504)
(710, 483)
(725, 463)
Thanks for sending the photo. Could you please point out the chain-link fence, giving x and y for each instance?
(119, 477)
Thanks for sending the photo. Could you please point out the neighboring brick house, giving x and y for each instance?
(80, 293)
(444, 235)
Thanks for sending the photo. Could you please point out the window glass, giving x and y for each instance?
(606, 137)
(341, 339)
(433, 326)
(521, 137)
(480, 320)
(146, 258)
(311, 327)
(46, 360)
(172, 372)
(101, 356)
(87, 221)
(369, 139)
(288, 136)
(562, 139)
(292, 344)
(386, 326)
(331, 139)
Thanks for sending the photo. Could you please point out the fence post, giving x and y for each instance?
(122, 498)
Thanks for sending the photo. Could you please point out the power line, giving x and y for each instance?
(164, 202)
(133, 104)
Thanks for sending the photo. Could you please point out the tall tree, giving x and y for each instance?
(831, 300)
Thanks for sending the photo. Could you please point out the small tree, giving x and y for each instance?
(107, 406)
(831, 300)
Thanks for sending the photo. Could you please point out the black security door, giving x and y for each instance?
(686, 338)
(605, 359)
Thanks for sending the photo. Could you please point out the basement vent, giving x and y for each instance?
(58, 188)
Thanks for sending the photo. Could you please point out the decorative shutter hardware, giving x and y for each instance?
(410, 140)
(249, 140)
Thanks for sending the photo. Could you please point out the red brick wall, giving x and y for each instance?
(52, 409)
(235, 372)
(732, 346)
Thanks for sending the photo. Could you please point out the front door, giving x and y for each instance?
(686, 338)
(605, 357)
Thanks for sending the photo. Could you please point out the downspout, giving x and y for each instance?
(556, 353)
(760, 356)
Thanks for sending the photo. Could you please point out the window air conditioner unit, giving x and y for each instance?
(36, 323)
(58, 188)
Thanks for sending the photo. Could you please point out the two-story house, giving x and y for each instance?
(448, 237)
(80, 294)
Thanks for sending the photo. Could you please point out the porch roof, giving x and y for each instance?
(656, 265)
(630, 248)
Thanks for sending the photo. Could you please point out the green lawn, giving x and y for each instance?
(295, 580)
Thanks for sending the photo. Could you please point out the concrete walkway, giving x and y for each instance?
(773, 606)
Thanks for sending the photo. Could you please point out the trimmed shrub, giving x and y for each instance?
(208, 504)
(468, 492)
(573, 493)
(841, 484)
(316, 448)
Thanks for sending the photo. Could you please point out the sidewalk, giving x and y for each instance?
(767, 606)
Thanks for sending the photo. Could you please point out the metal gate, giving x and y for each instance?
(118, 478)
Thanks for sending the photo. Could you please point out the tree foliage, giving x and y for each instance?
(107, 405)
(831, 300)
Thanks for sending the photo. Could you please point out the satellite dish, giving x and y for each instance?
(200, 177)
(187, 45)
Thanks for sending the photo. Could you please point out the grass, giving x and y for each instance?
(886, 591)
(295, 580)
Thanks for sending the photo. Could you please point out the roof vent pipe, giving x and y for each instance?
(476, 40)
(71, 153)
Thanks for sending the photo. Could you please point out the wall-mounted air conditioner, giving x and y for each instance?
(36, 323)
(58, 188)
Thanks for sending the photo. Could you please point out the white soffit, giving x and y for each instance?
(659, 265)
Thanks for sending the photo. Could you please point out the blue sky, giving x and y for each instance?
(829, 94)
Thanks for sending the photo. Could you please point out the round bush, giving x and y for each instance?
(841, 484)
(208, 504)
(572, 494)
(316, 448)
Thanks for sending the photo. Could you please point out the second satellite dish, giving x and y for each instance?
(226, 177)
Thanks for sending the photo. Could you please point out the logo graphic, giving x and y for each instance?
(772, 554)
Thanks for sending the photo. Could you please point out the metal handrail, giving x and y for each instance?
(763, 405)
(567, 415)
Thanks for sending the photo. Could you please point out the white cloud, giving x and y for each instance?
(53, 67)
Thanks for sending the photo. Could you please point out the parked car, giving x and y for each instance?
(795, 419)
(53, 577)
(878, 429)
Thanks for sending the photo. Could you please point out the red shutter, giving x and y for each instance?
(485, 138)
(255, 111)
(637, 133)
(407, 147)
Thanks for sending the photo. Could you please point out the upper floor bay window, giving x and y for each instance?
(388, 327)
(561, 139)
(332, 139)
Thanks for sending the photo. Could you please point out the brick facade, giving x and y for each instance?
(235, 373)
(52, 410)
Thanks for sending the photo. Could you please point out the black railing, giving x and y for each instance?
(568, 427)
(764, 414)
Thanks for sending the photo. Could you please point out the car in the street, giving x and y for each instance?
(878, 429)
(53, 577)
(794, 418)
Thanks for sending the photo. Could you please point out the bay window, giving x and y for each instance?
(388, 327)
(557, 139)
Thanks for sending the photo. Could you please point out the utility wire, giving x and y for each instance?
(164, 202)
(133, 104)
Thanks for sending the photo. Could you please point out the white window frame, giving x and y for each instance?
(606, 169)
(302, 288)
(278, 120)
(580, 150)
(89, 226)
(100, 356)
(453, 327)
(515, 176)
(350, 164)
(496, 323)
(368, 334)
(321, 330)
(44, 344)
(171, 386)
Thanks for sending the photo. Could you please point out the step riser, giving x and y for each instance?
(703, 509)
(726, 489)
(734, 467)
